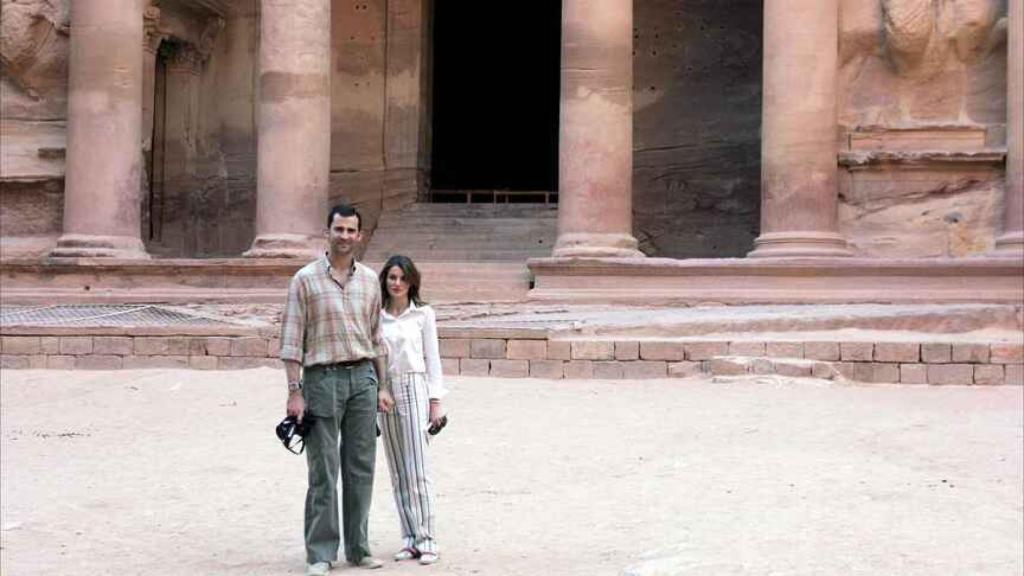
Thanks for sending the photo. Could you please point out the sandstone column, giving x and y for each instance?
(102, 203)
(293, 153)
(799, 195)
(595, 155)
(1011, 242)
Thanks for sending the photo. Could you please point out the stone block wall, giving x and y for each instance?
(511, 356)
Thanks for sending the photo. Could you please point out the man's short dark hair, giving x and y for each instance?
(344, 210)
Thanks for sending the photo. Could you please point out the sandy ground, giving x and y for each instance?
(177, 472)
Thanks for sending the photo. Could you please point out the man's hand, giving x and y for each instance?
(385, 402)
(296, 405)
(435, 412)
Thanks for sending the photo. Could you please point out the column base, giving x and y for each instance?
(798, 244)
(1010, 245)
(588, 245)
(93, 246)
(286, 246)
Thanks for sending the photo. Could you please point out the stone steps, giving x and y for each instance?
(465, 233)
(459, 280)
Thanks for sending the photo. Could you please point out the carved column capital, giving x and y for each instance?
(151, 26)
(208, 38)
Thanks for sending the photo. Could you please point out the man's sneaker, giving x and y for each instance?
(406, 554)
(318, 569)
(428, 558)
(368, 562)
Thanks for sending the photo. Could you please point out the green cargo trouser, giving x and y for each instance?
(343, 401)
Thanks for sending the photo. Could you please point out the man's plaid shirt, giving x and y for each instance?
(324, 323)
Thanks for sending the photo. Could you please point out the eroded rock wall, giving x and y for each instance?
(922, 97)
(379, 122)
(697, 120)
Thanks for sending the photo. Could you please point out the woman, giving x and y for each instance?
(414, 369)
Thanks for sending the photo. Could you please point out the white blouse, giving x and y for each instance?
(411, 338)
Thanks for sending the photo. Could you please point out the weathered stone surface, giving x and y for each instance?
(742, 348)
(450, 366)
(155, 361)
(553, 369)
(60, 362)
(1007, 354)
(627, 350)
(784, 350)
(936, 353)
(575, 369)
(218, 346)
(49, 345)
(20, 345)
(971, 353)
(685, 369)
(662, 351)
(922, 64)
(510, 368)
(251, 346)
(728, 366)
(202, 362)
(454, 348)
(593, 350)
(119, 345)
(15, 362)
(821, 350)
(882, 372)
(98, 362)
(1015, 374)
(527, 349)
(792, 368)
(705, 350)
(989, 374)
(474, 367)
(559, 350)
(76, 345)
(951, 374)
(913, 373)
(247, 362)
(608, 369)
(487, 348)
(856, 351)
(897, 352)
(644, 369)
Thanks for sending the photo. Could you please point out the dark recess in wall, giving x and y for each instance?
(496, 95)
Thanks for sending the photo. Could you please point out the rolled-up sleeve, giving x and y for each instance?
(293, 322)
(376, 332)
(432, 356)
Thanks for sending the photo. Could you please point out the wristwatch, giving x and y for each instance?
(295, 386)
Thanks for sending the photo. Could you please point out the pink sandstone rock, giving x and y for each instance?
(913, 373)
(553, 369)
(510, 368)
(487, 348)
(527, 349)
(673, 351)
(627, 350)
(593, 350)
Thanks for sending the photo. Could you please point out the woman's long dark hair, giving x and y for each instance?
(412, 276)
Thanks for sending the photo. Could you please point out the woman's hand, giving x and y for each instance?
(435, 411)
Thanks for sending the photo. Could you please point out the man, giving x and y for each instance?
(336, 365)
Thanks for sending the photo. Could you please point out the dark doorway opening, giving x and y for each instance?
(495, 101)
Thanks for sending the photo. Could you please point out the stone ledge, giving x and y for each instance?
(911, 362)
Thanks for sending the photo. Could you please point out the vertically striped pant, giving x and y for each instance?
(404, 432)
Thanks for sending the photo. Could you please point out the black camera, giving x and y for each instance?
(292, 433)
